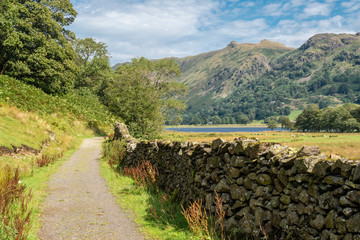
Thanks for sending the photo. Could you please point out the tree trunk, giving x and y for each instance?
(2, 70)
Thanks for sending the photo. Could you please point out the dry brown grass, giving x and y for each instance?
(344, 144)
(144, 174)
(14, 206)
(197, 219)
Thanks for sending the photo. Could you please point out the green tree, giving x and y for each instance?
(286, 123)
(34, 45)
(196, 120)
(242, 119)
(216, 120)
(272, 124)
(309, 119)
(143, 93)
(92, 58)
(269, 119)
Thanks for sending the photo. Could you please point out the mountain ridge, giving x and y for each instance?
(324, 70)
(267, 78)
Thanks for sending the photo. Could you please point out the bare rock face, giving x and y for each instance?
(309, 151)
(121, 132)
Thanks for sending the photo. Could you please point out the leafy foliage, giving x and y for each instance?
(343, 118)
(76, 105)
(92, 58)
(143, 92)
(34, 45)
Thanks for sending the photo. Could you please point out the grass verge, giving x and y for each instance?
(29, 187)
(37, 182)
(53, 126)
(154, 212)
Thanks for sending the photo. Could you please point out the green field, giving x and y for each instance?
(293, 115)
(344, 144)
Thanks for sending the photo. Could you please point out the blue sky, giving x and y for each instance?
(178, 28)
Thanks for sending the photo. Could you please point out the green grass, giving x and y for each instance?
(77, 105)
(153, 211)
(293, 115)
(27, 115)
(344, 144)
(37, 182)
(35, 178)
(18, 128)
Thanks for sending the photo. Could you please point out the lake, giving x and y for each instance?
(222, 129)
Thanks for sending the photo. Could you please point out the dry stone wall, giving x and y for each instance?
(267, 188)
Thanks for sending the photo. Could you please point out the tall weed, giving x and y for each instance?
(203, 225)
(197, 219)
(14, 209)
(144, 173)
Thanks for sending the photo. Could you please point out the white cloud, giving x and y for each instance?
(297, 3)
(351, 6)
(273, 9)
(317, 9)
(146, 28)
(160, 28)
(240, 28)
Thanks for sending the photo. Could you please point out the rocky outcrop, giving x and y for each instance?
(121, 132)
(267, 188)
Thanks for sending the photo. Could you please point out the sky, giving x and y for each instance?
(177, 28)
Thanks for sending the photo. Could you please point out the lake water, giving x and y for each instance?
(222, 129)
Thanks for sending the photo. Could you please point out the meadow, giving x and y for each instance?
(343, 144)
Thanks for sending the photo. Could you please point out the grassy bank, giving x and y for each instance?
(52, 128)
(30, 172)
(155, 213)
(344, 144)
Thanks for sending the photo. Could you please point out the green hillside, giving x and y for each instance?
(265, 79)
(214, 75)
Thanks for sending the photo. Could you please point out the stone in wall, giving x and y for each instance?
(267, 188)
(121, 132)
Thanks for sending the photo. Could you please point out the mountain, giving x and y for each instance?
(268, 78)
(214, 75)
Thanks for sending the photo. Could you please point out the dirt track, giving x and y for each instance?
(79, 205)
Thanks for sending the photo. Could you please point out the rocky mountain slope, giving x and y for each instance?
(268, 78)
(214, 75)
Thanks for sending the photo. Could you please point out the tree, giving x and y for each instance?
(92, 58)
(309, 119)
(143, 93)
(216, 120)
(242, 119)
(272, 124)
(269, 119)
(34, 45)
(286, 123)
(344, 88)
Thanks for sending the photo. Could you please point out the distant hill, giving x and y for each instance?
(268, 78)
(214, 75)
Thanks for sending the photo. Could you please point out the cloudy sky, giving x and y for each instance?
(166, 28)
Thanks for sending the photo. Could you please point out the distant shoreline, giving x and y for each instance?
(217, 126)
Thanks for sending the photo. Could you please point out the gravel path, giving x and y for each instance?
(79, 205)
